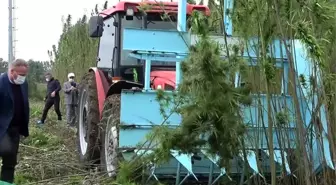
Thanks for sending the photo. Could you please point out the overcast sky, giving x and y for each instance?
(39, 24)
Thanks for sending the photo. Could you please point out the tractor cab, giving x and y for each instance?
(116, 62)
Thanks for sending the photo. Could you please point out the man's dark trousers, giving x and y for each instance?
(9, 145)
(48, 104)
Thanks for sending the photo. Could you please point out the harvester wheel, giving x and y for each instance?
(87, 121)
(110, 156)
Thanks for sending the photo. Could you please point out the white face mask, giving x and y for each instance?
(48, 78)
(71, 80)
(19, 80)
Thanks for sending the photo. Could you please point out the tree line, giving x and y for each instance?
(37, 69)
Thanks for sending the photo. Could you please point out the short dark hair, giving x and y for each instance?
(47, 74)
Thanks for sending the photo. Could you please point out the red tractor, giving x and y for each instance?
(117, 71)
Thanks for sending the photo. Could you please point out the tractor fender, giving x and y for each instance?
(102, 87)
(118, 86)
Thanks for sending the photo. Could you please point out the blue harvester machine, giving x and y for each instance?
(139, 110)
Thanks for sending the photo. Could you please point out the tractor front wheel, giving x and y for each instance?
(87, 121)
(110, 156)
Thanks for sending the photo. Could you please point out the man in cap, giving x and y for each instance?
(14, 115)
(52, 98)
(71, 98)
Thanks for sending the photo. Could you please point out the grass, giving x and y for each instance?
(49, 156)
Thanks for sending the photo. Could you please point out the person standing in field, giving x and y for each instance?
(14, 115)
(71, 98)
(52, 98)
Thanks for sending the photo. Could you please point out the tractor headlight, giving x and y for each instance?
(130, 11)
(159, 87)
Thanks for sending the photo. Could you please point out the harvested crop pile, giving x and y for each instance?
(49, 156)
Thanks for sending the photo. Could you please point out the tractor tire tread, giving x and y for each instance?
(92, 155)
(111, 109)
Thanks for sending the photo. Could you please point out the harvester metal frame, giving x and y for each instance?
(126, 110)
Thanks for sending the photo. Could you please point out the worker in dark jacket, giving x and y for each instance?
(52, 98)
(14, 115)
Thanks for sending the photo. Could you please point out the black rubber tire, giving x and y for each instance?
(92, 155)
(111, 117)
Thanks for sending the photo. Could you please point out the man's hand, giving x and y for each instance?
(53, 94)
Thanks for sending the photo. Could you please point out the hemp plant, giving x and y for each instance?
(208, 101)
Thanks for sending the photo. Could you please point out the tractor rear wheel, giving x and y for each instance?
(110, 156)
(87, 121)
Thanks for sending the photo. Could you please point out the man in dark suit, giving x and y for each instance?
(14, 115)
(52, 98)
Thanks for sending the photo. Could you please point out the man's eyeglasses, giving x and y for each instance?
(71, 77)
